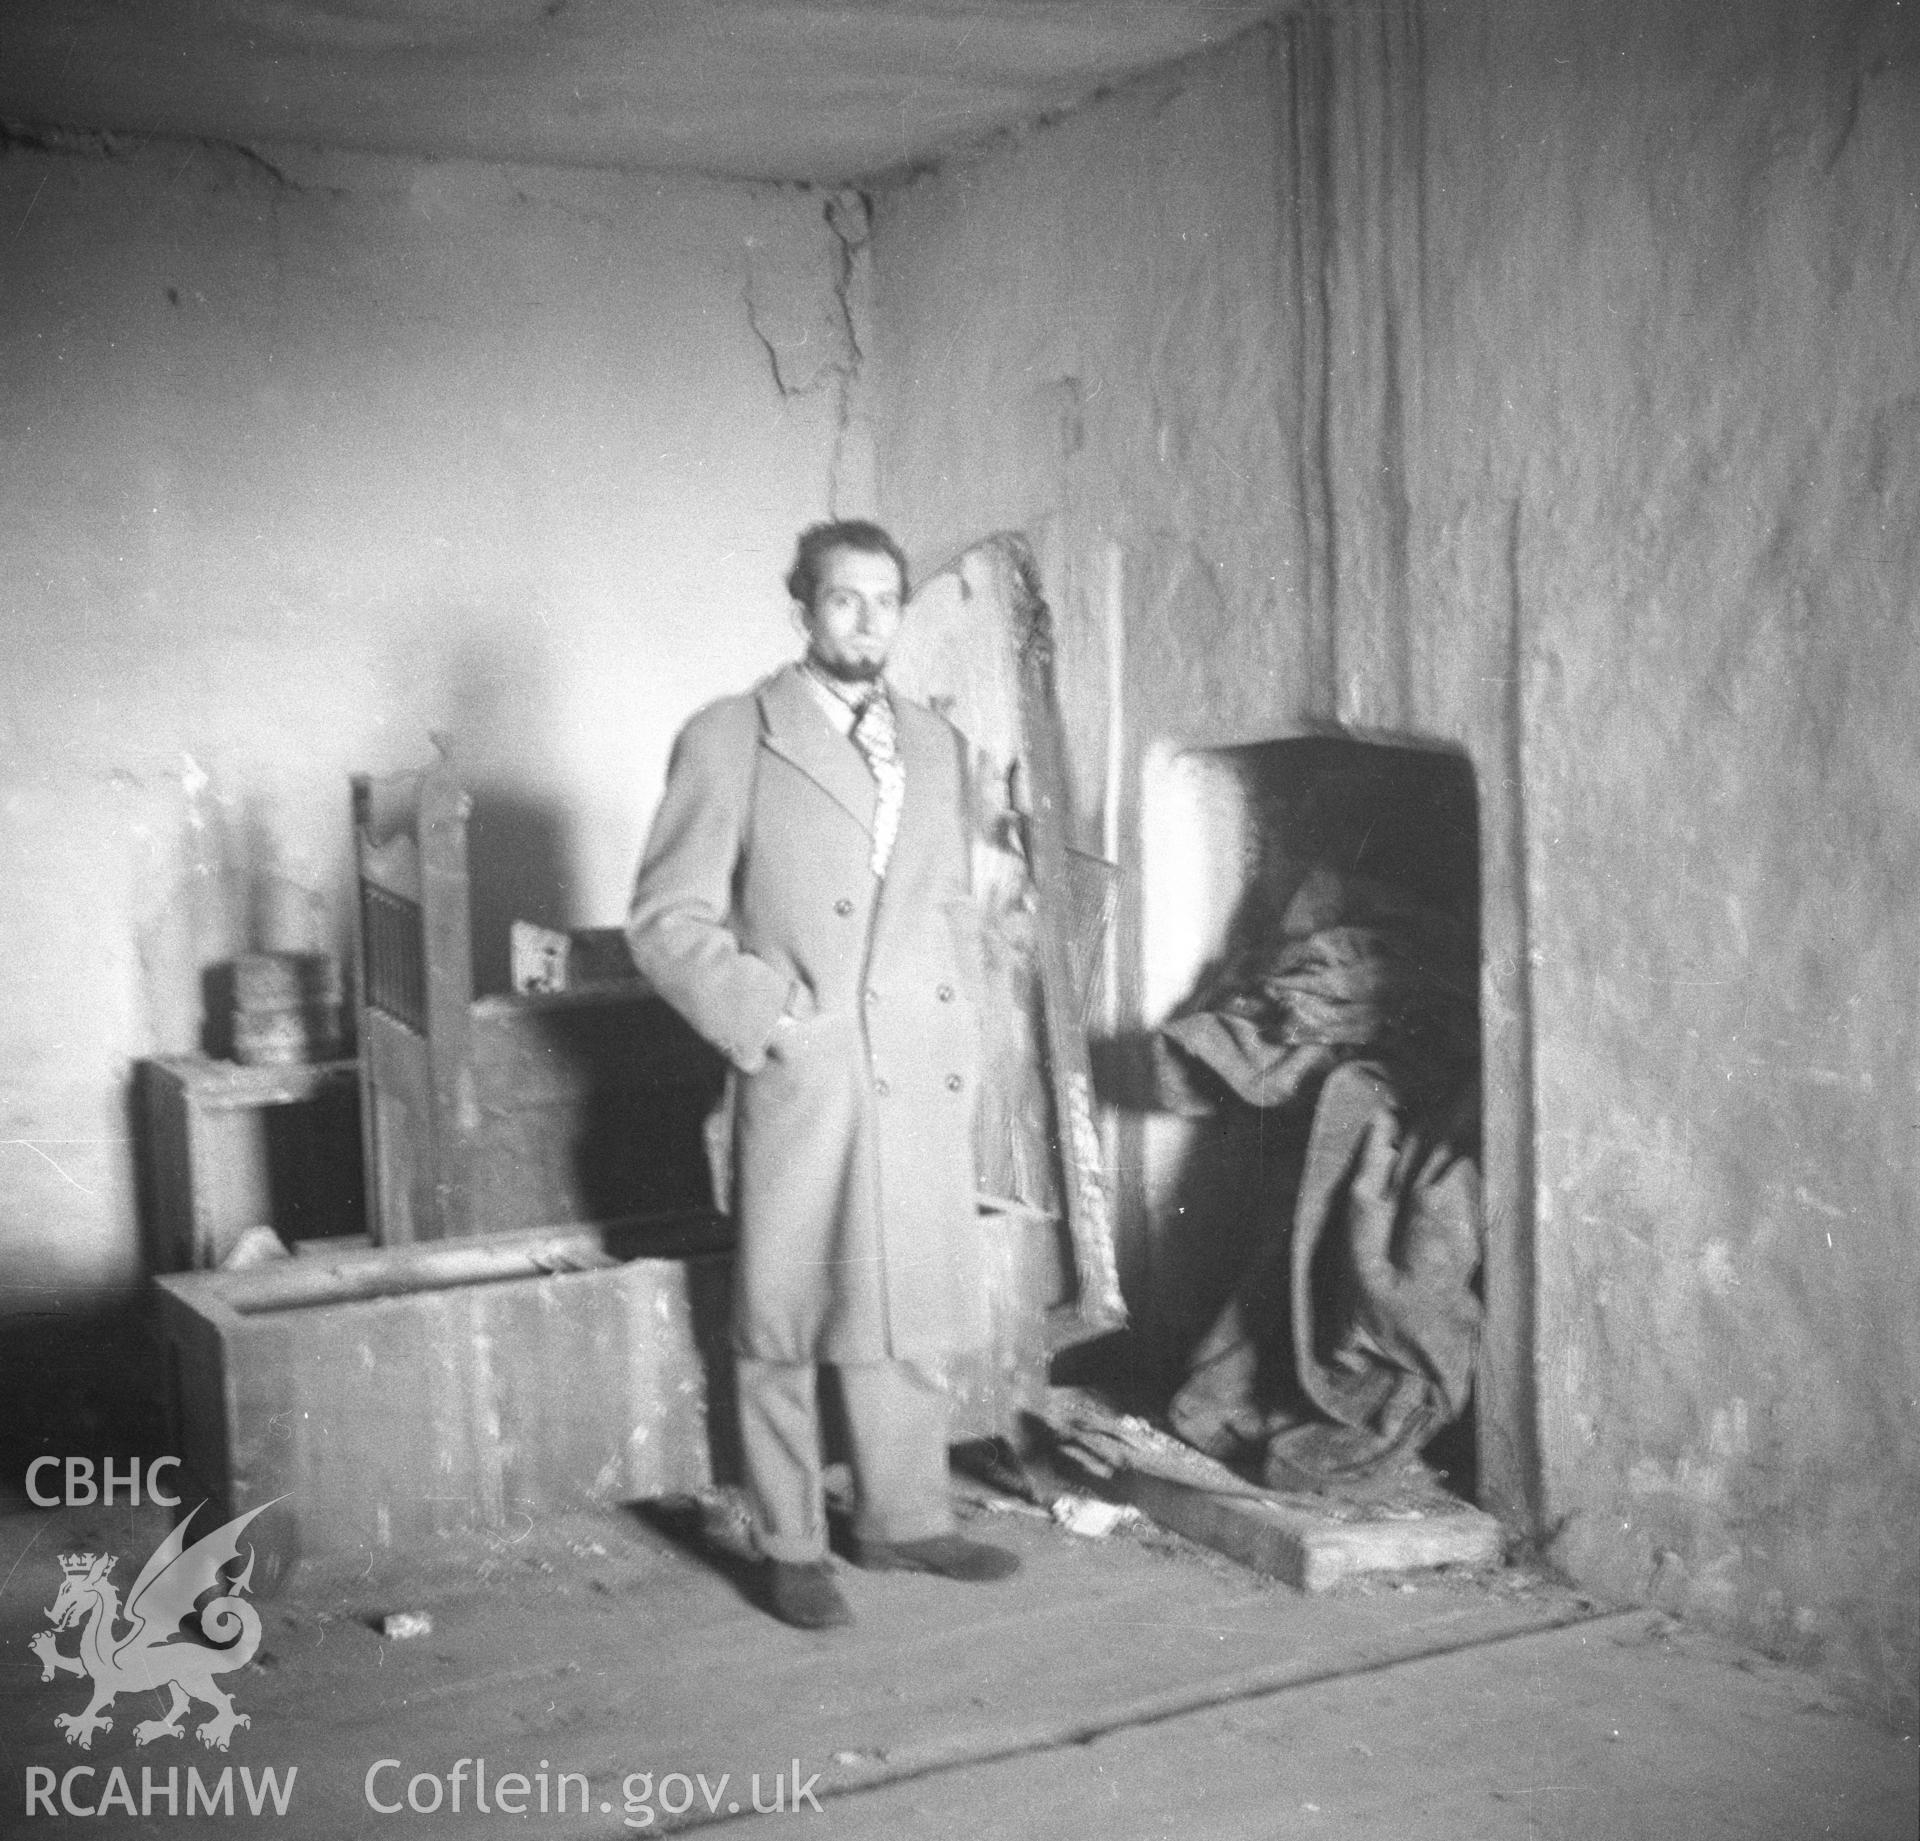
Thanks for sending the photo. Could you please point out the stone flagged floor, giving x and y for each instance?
(1132, 1685)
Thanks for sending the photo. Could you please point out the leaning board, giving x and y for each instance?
(977, 646)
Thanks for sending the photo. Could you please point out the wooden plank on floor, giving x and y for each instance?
(1403, 1521)
(1310, 1550)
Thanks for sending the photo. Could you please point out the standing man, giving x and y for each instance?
(804, 902)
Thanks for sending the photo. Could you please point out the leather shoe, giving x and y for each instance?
(951, 1556)
(803, 1594)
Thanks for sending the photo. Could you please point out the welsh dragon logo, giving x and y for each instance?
(154, 1653)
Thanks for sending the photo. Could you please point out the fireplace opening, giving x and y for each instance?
(1311, 1173)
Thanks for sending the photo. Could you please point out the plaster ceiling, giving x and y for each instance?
(775, 89)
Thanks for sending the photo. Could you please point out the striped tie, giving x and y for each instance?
(875, 735)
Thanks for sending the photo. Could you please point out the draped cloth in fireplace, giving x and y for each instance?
(1350, 1339)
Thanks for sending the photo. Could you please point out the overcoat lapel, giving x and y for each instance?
(797, 730)
(923, 831)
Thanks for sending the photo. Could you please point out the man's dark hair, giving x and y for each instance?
(819, 541)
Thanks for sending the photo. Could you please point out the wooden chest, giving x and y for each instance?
(390, 1394)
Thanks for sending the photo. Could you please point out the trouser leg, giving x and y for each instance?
(780, 1445)
(897, 1427)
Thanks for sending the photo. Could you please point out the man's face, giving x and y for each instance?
(855, 615)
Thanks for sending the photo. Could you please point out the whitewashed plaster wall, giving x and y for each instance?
(1085, 332)
(1669, 433)
(303, 459)
(1540, 382)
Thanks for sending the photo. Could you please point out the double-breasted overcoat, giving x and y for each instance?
(854, 1189)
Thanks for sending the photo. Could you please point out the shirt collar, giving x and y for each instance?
(842, 708)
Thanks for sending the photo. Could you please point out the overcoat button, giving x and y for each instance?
(843, 907)
(954, 1083)
(881, 1088)
(945, 993)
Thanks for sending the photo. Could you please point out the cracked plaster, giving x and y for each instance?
(309, 455)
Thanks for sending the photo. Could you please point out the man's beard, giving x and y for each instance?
(848, 671)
